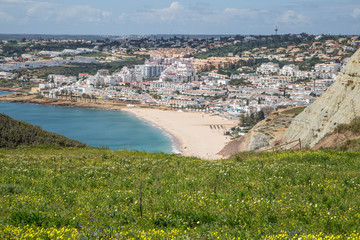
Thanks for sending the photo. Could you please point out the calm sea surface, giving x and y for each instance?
(99, 128)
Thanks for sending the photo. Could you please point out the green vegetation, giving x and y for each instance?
(9, 83)
(11, 48)
(95, 54)
(15, 133)
(93, 194)
(295, 111)
(252, 119)
(237, 82)
(353, 127)
(271, 42)
(75, 69)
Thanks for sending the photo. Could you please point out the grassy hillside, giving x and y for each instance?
(95, 193)
(15, 133)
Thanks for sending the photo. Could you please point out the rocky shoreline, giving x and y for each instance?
(7, 89)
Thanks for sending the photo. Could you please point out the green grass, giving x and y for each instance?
(95, 54)
(295, 111)
(95, 193)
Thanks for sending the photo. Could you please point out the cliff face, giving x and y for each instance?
(263, 135)
(340, 104)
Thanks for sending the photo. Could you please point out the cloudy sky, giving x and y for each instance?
(179, 16)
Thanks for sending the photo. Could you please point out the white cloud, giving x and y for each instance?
(5, 17)
(14, 1)
(240, 12)
(181, 15)
(174, 12)
(48, 11)
(355, 13)
(42, 10)
(82, 13)
(175, 16)
(170, 13)
(35, 8)
(291, 17)
(122, 18)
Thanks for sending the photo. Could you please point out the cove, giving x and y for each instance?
(99, 128)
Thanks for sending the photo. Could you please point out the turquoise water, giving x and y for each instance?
(99, 128)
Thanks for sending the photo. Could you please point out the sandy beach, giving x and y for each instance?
(191, 129)
(199, 134)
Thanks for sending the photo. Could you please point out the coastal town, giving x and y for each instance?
(230, 76)
(180, 119)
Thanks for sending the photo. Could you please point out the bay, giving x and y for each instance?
(99, 128)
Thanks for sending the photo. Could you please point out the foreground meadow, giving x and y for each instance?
(93, 194)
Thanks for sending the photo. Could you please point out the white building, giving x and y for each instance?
(268, 68)
(6, 75)
(289, 70)
(180, 71)
(151, 71)
(46, 85)
(170, 86)
(84, 60)
(327, 68)
(31, 64)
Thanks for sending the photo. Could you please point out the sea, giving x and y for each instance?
(99, 128)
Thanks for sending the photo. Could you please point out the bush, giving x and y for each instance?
(353, 126)
(15, 133)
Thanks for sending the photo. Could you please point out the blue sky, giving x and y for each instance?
(121, 17)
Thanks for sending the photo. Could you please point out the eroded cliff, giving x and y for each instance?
(340, 104)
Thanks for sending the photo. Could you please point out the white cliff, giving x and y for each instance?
(338, 105)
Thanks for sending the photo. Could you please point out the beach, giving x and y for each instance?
(196, 134)
(199, 134)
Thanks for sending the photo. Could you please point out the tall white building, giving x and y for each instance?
(180, 71)
(152, 71)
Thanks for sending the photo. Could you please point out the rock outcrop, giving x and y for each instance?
(340, 104)
(263, 135)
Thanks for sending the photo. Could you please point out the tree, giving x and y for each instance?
(261, 115)
(253, 119)
(84, 96)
